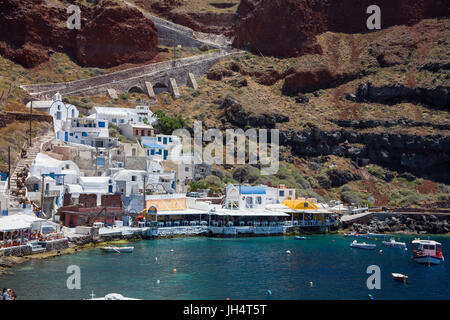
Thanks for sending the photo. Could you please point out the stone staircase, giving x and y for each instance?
(32, 152)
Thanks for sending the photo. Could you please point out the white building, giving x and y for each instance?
(129, 182)
(119, 116)
(98, 185)
(50, 176)
(44, 164)
(57, 109)
(279, 194)
(4, 199)
(135, 132)
(245, 197)
(160, 146)
(87, 131)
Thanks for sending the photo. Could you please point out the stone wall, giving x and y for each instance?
(9, 117)
(16, 251)
(88, 200)
(111, 200)
(58, 244)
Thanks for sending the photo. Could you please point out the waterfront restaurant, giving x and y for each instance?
(15, 230)
(243, 213)
(306, 213)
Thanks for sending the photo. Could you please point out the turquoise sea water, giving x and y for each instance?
(242, 268)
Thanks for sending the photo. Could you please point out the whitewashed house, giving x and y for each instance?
(135, 131)
(87, 131)
(120, 116)
(160, 146)
(245, 197)
(98, 185)
(46, 179)
(279, 194)
(59, 110)
(129, 182)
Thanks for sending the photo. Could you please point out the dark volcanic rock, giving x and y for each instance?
(339, 177)
(236, 114)
(439, 96)
(424, 156)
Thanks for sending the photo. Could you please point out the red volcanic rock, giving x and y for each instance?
(310, 79)
(113, 35)
(110, 34)
(209, 22)
(289, 27)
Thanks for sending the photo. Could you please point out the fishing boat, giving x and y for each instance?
(117, 249)
(367, 246)
(399, 277)
(299, 238)
(427, 251)
(395, 244)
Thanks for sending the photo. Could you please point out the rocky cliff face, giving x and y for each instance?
(289, 27)
(439, 96)
(426, 156)
(110, 34)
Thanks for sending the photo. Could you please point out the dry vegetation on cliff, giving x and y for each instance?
(254, 87)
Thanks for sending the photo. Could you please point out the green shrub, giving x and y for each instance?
(167, 124)
(204, 47)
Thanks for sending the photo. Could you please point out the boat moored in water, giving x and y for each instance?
(427, 251)
(355, 235)
(399, 277)
(112, 296)
(299, 238)
(117, 249)
(367, 246)
(395, 244)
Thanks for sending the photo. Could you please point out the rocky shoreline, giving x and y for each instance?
(410, 224)
(8, 262)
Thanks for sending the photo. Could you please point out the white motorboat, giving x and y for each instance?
(117, 249)
(395, 244)
(399, 277)
(111, 296)
(367, 246)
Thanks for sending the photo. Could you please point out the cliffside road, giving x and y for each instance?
(172, 34)
(157, 73)
(122, 81)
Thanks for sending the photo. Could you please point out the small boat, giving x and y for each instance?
(393, 243)
(117, 249)
(427, 251)
(367, 246)
(299, 238)
(399, 277)
(111, 296)
(355, 235)
(351, 234)
(376, 235)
